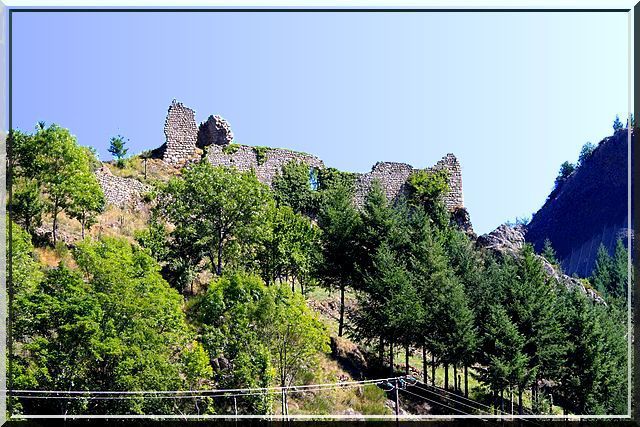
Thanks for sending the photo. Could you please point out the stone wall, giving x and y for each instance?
(184, 139)
(244, 157)
(215, 131)
(393, 178)
(181, 134)
(121, 192)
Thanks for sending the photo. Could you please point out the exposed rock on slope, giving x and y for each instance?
(590, 208)
(510, 240)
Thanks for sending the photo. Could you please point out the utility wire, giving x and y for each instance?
(433, 401)
(215, 391)
(263, 391)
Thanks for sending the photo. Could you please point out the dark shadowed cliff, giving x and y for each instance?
(590, 208)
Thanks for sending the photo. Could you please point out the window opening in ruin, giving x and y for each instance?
(313, 178)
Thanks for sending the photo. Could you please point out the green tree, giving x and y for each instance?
(112, 324)
(549, 253)
(530, 301)
(234, 312)
(295, 335)
(58, 164)
(87, 200)
(594, 374)
(27, 204)
(339, 222)
(617, 124)
(292, 187)
(566, 169)
(585, 152)
(288, 248)
(507, 360)
(214, 208)
(118, 150)
(603, 274)
(620, 275)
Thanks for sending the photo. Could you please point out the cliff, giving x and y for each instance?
(590, 208)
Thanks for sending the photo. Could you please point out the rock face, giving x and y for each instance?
(181, 134)
(120, 191)
(504, 239)
(510, 240)
(215, 131)
(589, 209)
(393, 178)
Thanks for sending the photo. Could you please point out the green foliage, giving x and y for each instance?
(617, 124)
(549, 253)
(428, 186)
(62, 170)
(593, 378)
(566, 169)
(292, 187)
(27, 205)
(295, 335)
(264, 332)
(504, 352)
(230, 148)
(118, 150)
(87, 200)
(287, 249)
(339, 222)
(214, 210)
(585, 152)
(610, 275)
(261, 154)
(329, 178)
(113, 324)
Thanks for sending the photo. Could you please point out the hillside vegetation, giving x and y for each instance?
(221, 282)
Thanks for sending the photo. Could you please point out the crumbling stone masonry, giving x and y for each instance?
(121, 192)
(393, 179)
(215, 131)
(181, 134)
(245, 158)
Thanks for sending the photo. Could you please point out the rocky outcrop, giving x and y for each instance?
(504, 239)
(348, 356)
(121, 192)
(589, 209)
(510, 240)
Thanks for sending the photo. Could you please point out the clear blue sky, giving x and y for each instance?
(512, 95)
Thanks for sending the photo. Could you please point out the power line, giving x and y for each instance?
(437, 403)
(207, 392)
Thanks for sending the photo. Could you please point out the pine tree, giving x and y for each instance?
(603, 272)
(340, 224)
(506, 359)
(549, 253)
(619, 273)
(617, 124)
(531, 304)
(118, 150)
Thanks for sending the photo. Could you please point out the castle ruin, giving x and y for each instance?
(185, 141)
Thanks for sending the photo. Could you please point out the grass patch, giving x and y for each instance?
(134, 167)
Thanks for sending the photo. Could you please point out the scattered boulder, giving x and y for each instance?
(510, 240)
(504, 239)
(348, 356)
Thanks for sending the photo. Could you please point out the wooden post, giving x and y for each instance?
(397, 403)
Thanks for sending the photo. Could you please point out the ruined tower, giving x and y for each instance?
(181, 134)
